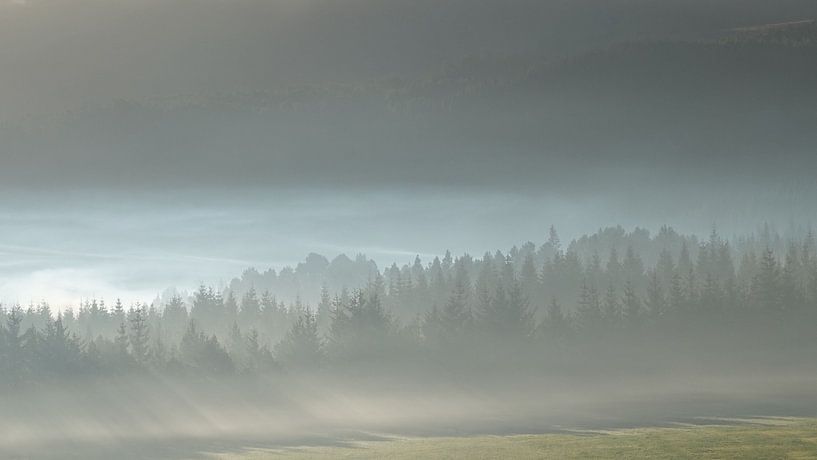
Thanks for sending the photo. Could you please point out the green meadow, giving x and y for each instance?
(767, 438)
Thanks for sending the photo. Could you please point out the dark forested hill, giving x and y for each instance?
(599, 298)
(743, 104)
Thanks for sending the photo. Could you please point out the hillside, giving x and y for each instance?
(662, 104)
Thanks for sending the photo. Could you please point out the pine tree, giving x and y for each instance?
(677, 300)
(138, 334)
(555, 315)
(632, 304)
(203, 305)
(231, 307)
(690, 288)
(456, 316)
(665, 268)
(594, 272)
(174, 317)
(555, 327)
(589, 312)
(482, 290)
(790, 286)
(529, 278)
(447, 263)
(13, 344)
(122, 340)
(61, 352)
(204, 353)
(553, 242)
(302, 346)
(432, 328)
(519, 316)
(508, 315)
(766, 285)
(684, 260)
(324, 308)
(253, 344)
(438, 287)
(813, 287)
(612, 308)
(395, 284)
(250, 308)
(360, 329)
(633, 265)
(339, 323)
(711, 295)
(260, 358)
(655, 296)
(236, 346)
(615, 271)
(508, 275)
(119, 309)
(117, 315)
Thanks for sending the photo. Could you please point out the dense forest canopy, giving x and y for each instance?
(601, 293)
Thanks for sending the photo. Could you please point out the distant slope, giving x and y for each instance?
(69, 54)
(742, 105)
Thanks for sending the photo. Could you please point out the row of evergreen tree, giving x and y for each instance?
(451, 305)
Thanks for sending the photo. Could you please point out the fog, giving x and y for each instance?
(167, 418)
(238, 225)
(63, 248)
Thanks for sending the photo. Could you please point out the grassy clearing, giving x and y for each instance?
(756, 439)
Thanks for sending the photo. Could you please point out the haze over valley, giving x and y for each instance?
(254, 229)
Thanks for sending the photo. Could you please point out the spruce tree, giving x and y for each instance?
(632, 304)
(655, 301)
(589, 312)
(138, 334)
(302, 346)
(122, 341)
(456, 315)
(766, 285)
(612, 308)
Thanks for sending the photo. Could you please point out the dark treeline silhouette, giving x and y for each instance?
(644, 301)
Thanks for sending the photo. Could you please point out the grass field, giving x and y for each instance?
(768, 438)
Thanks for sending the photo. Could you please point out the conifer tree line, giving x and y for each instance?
(603, 295)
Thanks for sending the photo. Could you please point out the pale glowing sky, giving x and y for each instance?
(63, 250)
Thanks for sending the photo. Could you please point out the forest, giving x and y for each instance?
(613, 301)
(408, 229)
